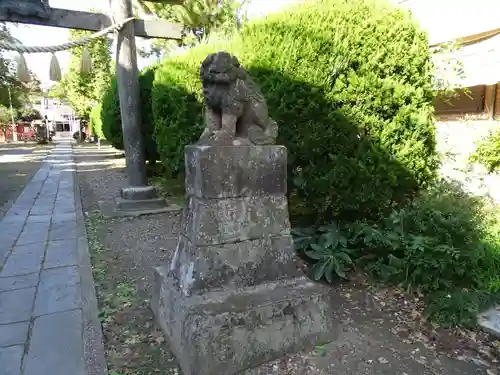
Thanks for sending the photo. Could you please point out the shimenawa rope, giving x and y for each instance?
(55, 71)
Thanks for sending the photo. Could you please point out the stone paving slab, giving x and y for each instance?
(58, 290)
(48, 309)
(61, 253)
(24, 259)
(14, 334)
(18, 282)
(16, 305)
(11, 359)
(59, 330)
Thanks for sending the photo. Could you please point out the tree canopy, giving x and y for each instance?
(29, 114)
(4, 119)
(83, 90)
(8, 81)
(199, 17)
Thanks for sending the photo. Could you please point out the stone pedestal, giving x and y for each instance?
(120, 207)
(232, 297)
(136, 202)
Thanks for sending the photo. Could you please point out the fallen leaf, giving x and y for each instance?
(157, 337)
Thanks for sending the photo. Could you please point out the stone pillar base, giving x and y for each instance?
(126, 207)
(228, 331)
(232, 298)
(139, 193)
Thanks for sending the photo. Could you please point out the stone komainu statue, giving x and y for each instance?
(235, 110)
(26, 8)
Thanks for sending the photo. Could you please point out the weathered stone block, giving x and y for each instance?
(139, 192)
(228, 331)
(235, 171)
(219, 221)
(145, 204)
(234, 265)
(232, 297)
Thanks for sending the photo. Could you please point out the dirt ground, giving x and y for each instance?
(18, 163)
(381, 331)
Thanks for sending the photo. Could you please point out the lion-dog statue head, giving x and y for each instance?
(235, 108)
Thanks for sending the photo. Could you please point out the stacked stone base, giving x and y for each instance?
(228, 331)
(232, 297)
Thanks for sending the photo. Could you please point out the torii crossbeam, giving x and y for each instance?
(37, 12)
(73, 19)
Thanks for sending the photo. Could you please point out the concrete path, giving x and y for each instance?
(48, 309)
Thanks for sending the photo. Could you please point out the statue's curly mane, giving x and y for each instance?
(235, 106)
(219, 79)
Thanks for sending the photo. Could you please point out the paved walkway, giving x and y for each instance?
(48, 310)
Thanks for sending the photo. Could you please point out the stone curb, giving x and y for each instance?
(93, 345)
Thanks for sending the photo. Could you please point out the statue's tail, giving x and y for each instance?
(259, 136)
(272, 130)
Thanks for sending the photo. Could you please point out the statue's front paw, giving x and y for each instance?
(222, 137)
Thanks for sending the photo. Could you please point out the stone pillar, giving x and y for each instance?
(138, 198)
(232, 297)
(127, 77)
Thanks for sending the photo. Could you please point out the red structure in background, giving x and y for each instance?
(25, 132)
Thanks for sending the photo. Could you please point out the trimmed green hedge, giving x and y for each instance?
(95, 121)
(177, 110)
(111, 118)
(349, 83)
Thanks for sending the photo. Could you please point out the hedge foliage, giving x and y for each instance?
(488, 152)
(177, 109)
(95, 121)
(349, 83)
(111, 118)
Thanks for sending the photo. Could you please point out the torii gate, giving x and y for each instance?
(37, 12)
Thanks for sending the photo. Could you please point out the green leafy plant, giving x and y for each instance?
(328, 247)
(5, 120)
(488, 152)
(115, 302)
(84, 90)
(459, 307)
(319, 349)
(445, 244)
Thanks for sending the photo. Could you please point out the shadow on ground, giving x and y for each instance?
(18, 163)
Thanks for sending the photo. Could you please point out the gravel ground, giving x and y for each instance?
(18, 163)
(381, 331)
(124, 252)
